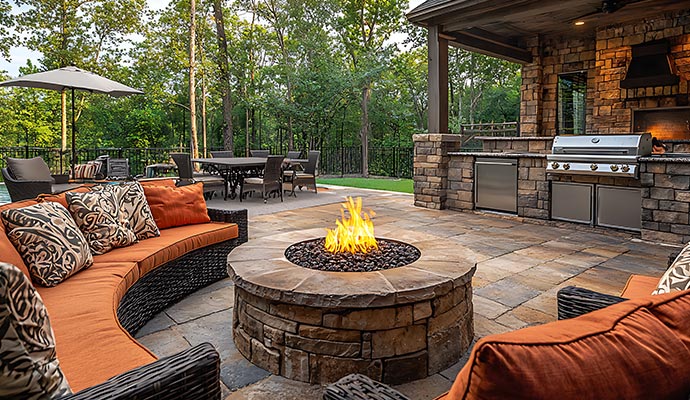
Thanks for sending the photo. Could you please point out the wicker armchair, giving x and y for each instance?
(22, 189)
(307, 177)
(271, 180)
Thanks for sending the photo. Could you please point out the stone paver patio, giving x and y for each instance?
(521, 266)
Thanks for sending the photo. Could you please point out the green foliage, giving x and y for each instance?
(297, 69)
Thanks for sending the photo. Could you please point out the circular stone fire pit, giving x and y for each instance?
(394, 325)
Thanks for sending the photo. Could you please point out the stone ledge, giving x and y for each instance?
(438, 270)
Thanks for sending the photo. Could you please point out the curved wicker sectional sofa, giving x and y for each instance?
(95, 312)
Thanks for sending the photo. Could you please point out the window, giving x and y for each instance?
(572, 90)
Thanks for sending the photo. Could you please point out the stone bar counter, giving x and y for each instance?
(444, 178)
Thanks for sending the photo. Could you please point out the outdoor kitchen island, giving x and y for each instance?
(445, 178)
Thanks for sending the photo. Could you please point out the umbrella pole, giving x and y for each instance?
(74, 139)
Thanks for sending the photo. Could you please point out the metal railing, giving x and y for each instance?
(495, 129)
(383, 161)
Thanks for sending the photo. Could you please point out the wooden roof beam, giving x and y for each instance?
(484, 42)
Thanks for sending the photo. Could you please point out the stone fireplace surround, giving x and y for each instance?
(394, 325)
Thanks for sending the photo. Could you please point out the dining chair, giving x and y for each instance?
(293, 154)
(222, 154)
(188, 176)
(307, 177)
(259, 153)
(271, 180)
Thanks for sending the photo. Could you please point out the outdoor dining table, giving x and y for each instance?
(234, 169)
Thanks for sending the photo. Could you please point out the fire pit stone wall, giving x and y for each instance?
(394, 325)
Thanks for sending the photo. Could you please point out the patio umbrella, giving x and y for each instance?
(75, 79)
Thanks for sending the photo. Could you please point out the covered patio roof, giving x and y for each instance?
(499, 28)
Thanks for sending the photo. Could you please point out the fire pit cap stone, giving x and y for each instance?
(260, 267)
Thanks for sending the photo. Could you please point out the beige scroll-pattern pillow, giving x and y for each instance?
(29, 368)
(50, 243)
(677, 276)
(99, 217)
(135, 208)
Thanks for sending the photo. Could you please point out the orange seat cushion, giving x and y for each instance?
(8, 253)
(171, 244)
(177, 206)
(621, 352)
(91, 345)
(639, 286)
(62, 196)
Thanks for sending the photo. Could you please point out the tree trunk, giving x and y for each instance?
(192, 82)
(364, 132)
(203, 111)
(224, 70)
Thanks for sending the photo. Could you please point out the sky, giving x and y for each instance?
(20, 54)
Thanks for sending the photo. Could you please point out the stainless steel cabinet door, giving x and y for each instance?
(496, 184)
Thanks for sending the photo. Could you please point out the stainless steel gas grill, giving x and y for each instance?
(611, 155)
(597, 155)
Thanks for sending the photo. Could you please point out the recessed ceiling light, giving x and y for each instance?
(579, 23)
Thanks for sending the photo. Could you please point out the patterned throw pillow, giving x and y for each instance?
(29, 368)
(677, 276)
(135, 208)
(48, 240)
(98, 216)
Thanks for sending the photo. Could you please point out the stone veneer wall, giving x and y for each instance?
(665, 202)
(431, 162)
(605, 58)
(394, 344)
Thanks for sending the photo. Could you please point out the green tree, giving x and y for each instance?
(364, 27)
(84, 33)
(7, 38)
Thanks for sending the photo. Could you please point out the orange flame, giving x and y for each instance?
(354, 234)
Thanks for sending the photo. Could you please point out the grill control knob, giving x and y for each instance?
(625, 168)
(594, 167)
(566, 166)
(614, 167)
(555, 165)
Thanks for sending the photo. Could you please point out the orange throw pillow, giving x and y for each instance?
(621, 352)
(62, 196)
(158, 182)
(177, 206)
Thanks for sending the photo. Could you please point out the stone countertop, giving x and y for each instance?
(514, 137)
(496, 154)
(669, 159)
(260, 267)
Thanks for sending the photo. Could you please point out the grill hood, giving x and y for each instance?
(651, 65)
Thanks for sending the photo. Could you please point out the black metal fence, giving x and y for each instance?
(383, 161)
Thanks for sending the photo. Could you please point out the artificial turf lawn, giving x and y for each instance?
(392, 185)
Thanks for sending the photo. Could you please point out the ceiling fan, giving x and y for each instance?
(607, 7)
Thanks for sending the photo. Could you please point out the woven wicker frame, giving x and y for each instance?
(575, 301)
(361, 387)
(190, 374)
(23, 190)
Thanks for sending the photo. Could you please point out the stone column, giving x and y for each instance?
(431, 163)
(531, 107)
